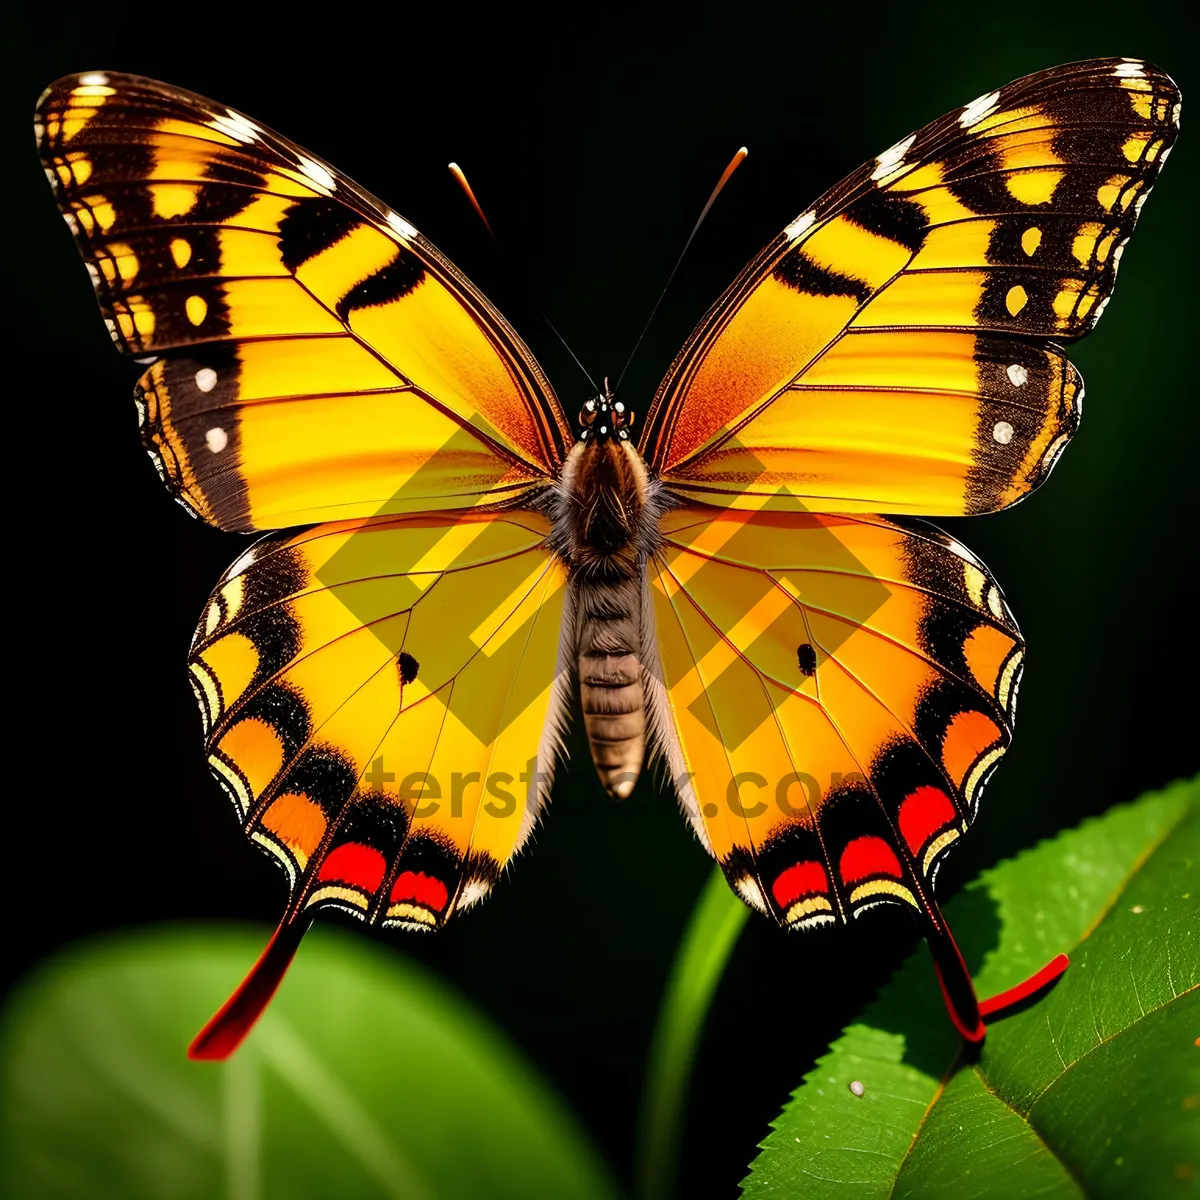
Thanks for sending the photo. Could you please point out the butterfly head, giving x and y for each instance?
(604, 417)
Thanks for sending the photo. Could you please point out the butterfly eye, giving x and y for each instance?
(587, 415)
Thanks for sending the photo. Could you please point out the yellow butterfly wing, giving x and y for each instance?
(371, 683)
(820, 672)
(382, 701)
(894, 349)
(832, 694)
(312, 356)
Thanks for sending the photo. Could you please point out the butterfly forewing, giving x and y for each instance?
(313, 356)
(895, 348)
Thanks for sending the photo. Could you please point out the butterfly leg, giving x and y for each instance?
(966, 1011)
(224, 1032)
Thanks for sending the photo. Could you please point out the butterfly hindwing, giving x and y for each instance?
(895, 348)
(311, 355)
(378, 697)
(836, 691)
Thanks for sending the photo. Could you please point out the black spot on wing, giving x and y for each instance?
(325, 775)
(312, 226)
(373, 820)
(976, 178)
(284, 709)
(219, 202)
(797, 271)
(404, 273)
(234, 170)
(432, 853)
(480, 867)
(408, 667)
(807, 658)
(891, 216)
(904, 765)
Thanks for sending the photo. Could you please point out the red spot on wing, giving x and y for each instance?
(799, 880)
(421, 888)
(355, 864)
(924, 812)
(869, 856)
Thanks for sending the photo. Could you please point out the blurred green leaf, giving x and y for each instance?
(1092, 1091)
(366, 1078)
(711, 935)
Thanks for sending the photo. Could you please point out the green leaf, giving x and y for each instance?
(711, 935)
(1092, 1091)
(366, 1078)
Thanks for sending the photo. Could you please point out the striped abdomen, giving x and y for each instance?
(606, 522)
(608, 628)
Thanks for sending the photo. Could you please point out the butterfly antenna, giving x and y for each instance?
(735, 162)
(461, 179)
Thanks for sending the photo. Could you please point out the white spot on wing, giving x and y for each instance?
(892, 158)
(994, 603)
(95, 79)
(800, 226)
(206, 380)
(401, 226)
(472, 892)
(216, 439)
(1130, 68)
(243, 564)
(235, 125)
(1002, 432)
(749, 891)
(317, 173)
(1017, 374)
(984, 106)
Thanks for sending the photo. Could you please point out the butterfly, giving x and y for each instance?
(385, 676)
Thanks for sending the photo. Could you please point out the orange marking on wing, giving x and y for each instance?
(967, 734)
(255, 747)
(297, 822)
(985, 651)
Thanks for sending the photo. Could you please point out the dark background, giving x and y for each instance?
(593, 138)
